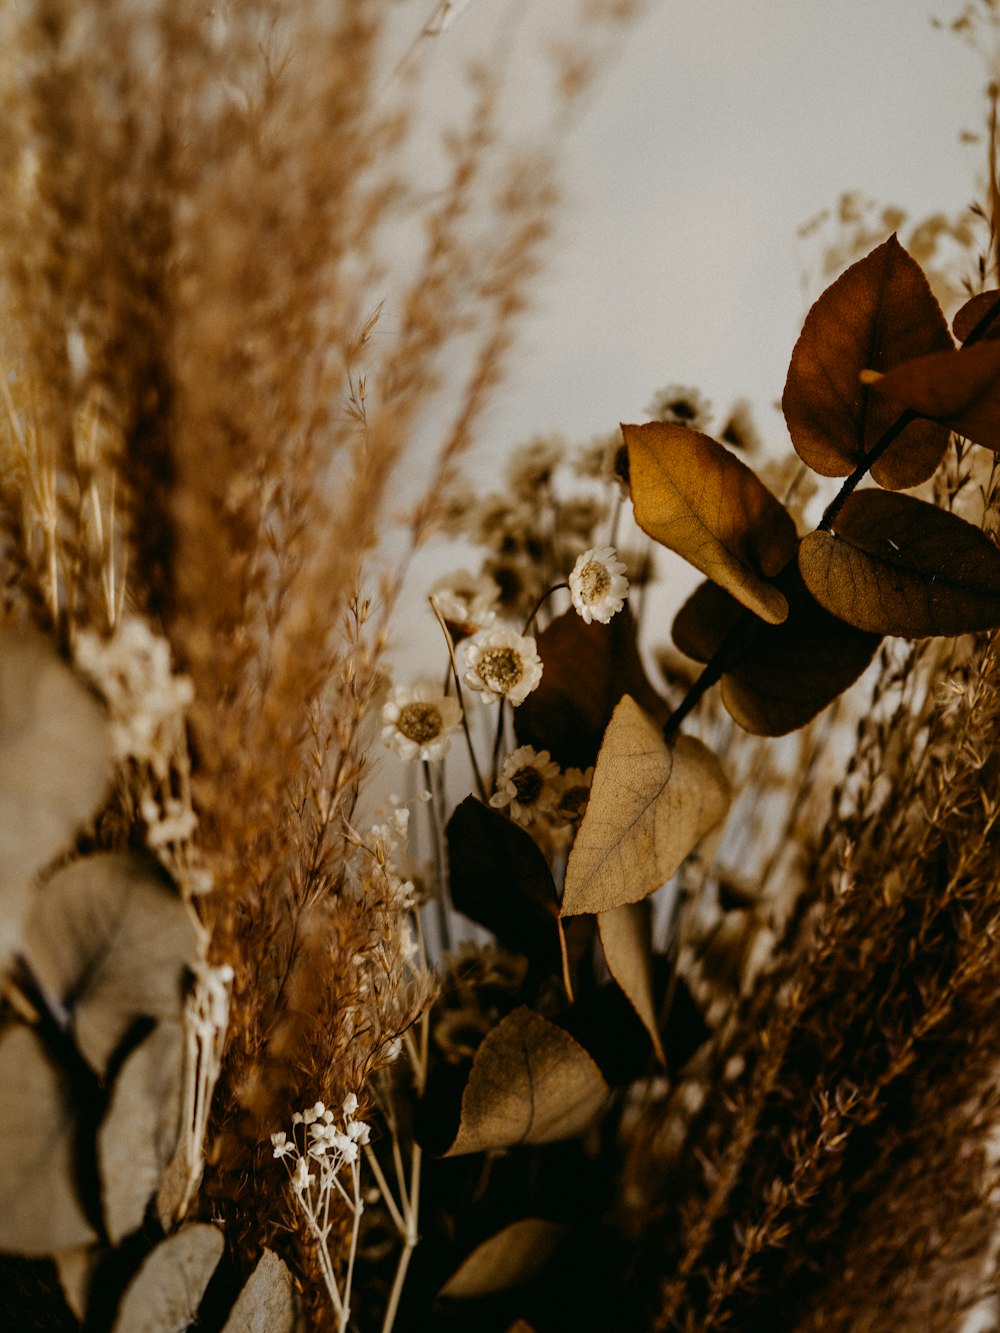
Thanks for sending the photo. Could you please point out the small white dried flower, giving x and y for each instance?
(419, 720)
(466, 602)
(526, 784)
(502, 664)
(680, 405)
(531, 466)
(350, 1103)
(598, 584)
(302, 1178)
(281, 1144)
(145, 699)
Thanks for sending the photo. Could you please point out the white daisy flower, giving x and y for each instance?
(502, 664)
(419, 721)
(526, 784)
(679, 405)
(598, 584)
(573, 789)
(467, 602)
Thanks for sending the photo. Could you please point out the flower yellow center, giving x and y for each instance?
(419, 722)
(528, 784)
(594, 581)
(500, 669)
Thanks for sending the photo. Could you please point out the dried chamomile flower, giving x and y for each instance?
(681, 406)
(572, 794)
(419, 721)
(502, 664)
(531, 466)
(466, 602)
(520, 581)
(503, 524)
(526, 784)
(598, 584)
(580, 515)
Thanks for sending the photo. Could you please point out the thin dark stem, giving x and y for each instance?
(497, 744)
(458, 691)
(556, 587)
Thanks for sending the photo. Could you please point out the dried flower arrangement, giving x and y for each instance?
(658, 1021)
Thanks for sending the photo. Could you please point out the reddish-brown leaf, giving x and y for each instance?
(897, 565)
(650, 805)
(958, 389)
(972, 314)
(692, 495)
(777, 677)
(586, 670)
(530, 1083)
(879, 313)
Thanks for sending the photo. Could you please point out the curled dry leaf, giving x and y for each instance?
(960, 389)
(587, 669)
(650, 805)
(500, 878)
(897, 565)
(139, 1132)
(40, 1208)
(55, 766)
(692, 495)
(879, 313)
(530, 1083)
(266, 1304)
(626, 938)
(514, 1255)
(971, 316)
(776, 677)
(164, 1295)
(109, 938)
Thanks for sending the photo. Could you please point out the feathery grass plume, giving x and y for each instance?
(202, 413)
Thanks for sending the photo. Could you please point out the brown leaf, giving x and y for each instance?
(530, 1083)
(40, 1209)
(971, 316)
(959, 389)
(692, 495)
(626, 938)
(266, 1304)
(514, 1255)
(897, 565)
(703, 621)
(500, 878)
(776, 677)
(650, 805)
(587, 669)
(879, 313)
(55, 766)
(109, 938)
(164, 1295)
(139, 1132)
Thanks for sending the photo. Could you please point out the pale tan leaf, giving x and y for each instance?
(40, 1208)
(266, 1304)
(139, 1132)
(75, 1268)
(164, 1295)
(692, 495)
(109, 938)
(55, 766)
(626, 938)
(514, 1255)
(650, 805)
(530, 1083)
